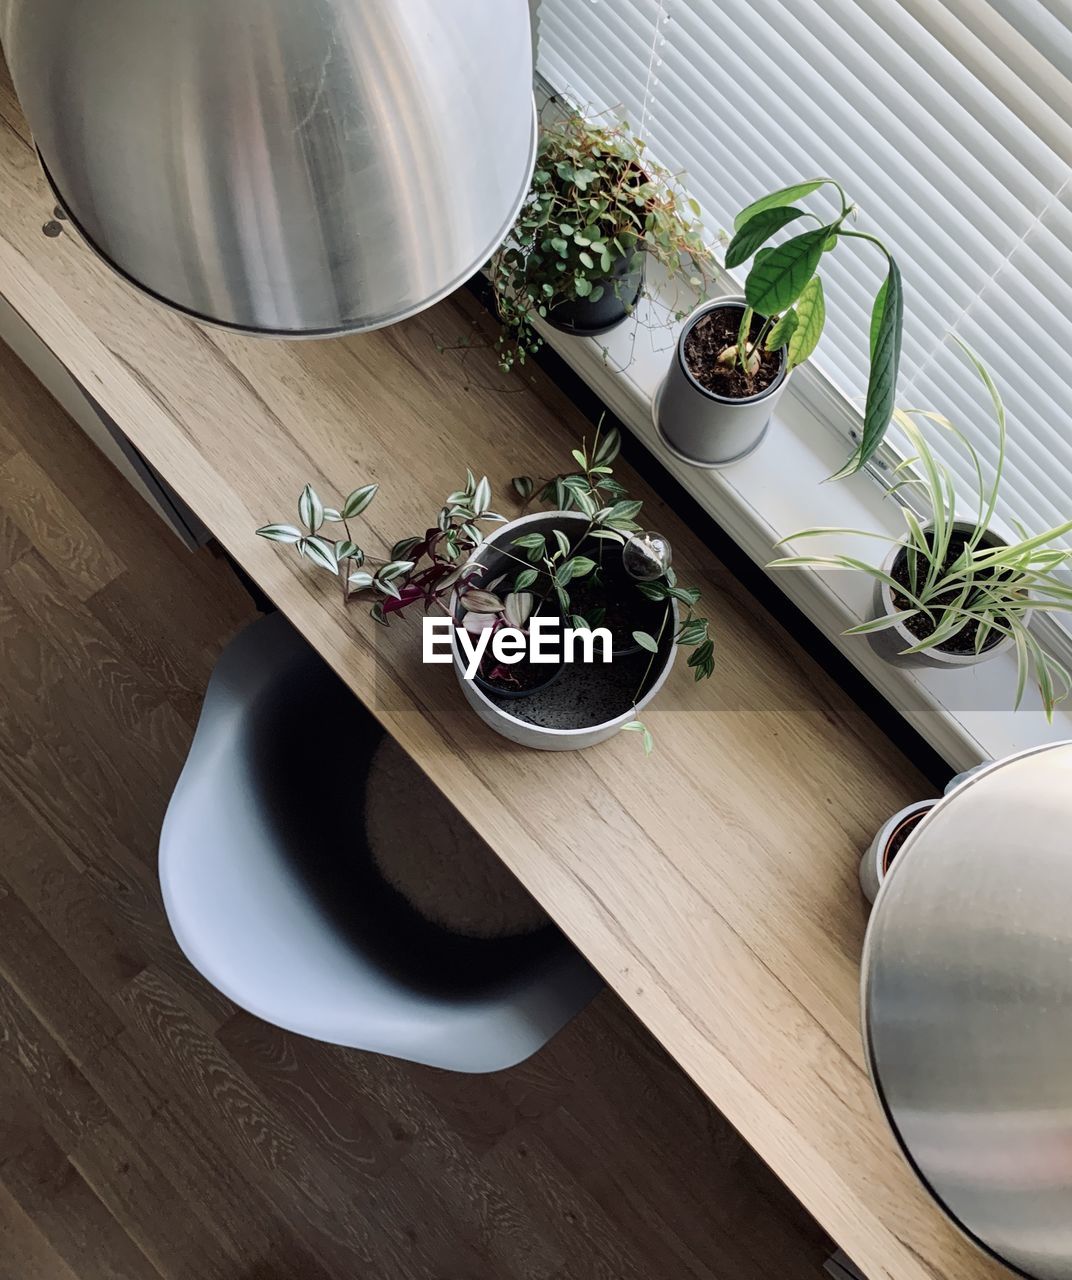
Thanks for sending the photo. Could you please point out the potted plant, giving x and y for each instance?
(599, 206)
(876, 863)
(735, 353)
(954, 591)
(586, 562)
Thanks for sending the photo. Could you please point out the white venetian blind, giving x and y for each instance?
(947, 121)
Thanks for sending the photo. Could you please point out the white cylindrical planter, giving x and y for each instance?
(891, 642)
(548, 737)
(875, 864)
(701, 427)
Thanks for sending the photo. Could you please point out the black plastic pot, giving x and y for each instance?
(621, 291)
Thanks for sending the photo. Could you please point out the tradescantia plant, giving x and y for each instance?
(597, 199)
(784, 287)
(426, 570)
(963, 590)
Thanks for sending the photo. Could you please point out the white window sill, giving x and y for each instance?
(965, 714)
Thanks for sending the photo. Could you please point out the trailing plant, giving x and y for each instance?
(597, 198)
(555, 563)
(784, 288)
(425, 570)
(420, 569)
(957, 588)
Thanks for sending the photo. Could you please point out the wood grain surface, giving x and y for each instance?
(150, 1129)
(713, 885)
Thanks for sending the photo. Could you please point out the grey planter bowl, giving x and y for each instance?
(701, 427)
(889, 643)
(573, 712)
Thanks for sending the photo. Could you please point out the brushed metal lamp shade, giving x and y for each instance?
(285, 167)
(967, 1009)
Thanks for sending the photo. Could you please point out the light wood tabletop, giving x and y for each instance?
(712, 884)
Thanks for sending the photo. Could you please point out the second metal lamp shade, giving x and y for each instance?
(289, 167)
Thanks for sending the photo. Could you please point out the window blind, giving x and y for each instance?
(945, 120)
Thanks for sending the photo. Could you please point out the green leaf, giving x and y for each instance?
(359, 500)
(347, 550)
(582, 565)
(279, 533)
(582, 287)
(587, 260)
(580, 459)
(638, 726)
(310, 509)
(321, 553)
(757, 231)
(525, 579)
(776, 199)
(782, 331)
(645, 641)
(562, 541)
(395, 569)
(811, 316)
(531, 542)
(403, 548)
(482, 496)
(523, 487)
(361, 580)
(778, 275)
(609, 444)
(887, 322)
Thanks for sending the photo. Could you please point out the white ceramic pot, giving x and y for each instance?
(891, 642)
(523, 732)
(701, 427)
(875, 864)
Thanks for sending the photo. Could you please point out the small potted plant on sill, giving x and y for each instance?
(587, 562)
(599, 206)
(735, 353)
(954, 592)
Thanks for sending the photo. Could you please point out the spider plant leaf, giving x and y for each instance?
(778, 275)
(783, 196)
(882, 623)
(757, 230)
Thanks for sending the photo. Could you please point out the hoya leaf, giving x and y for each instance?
(778, 275)
(776, 199)
(757, 231)
(887, 322)
(782, 331)
(811, 316)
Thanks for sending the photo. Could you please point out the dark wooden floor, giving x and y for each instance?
(149, 1128)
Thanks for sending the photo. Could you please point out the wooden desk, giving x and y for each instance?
(714, 884)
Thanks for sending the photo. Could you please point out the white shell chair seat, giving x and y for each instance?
(273, 896)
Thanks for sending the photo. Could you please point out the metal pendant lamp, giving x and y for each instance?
(283, 167)
(967, 1007)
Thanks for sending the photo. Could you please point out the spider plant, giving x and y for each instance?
(954, 586)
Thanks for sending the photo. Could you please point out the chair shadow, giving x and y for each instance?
(315, 798)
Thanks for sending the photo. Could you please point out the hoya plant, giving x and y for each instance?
(598, 201)
(955, 585)
(784, 288)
